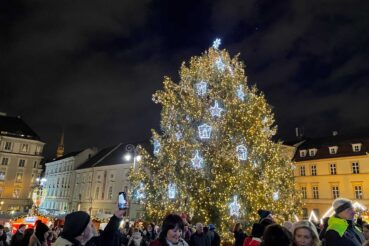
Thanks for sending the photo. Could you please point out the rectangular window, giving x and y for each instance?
(313, 170)
(312, 152)
(302, 153)
(24, 147)
(335, 192)
(304, 213)
(16, 193)
(35, 164)
(21, 163)
(8, 146)
(358, 192)
(333, 169)
(315, 192)
(2, 175)
(356, 147)
(5, 161)
(302, 171)
(97, 192)
(110, 193)
(355, 167)
(303, 191)
(19, 177)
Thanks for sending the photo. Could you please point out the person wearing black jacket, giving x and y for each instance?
(2, 236)
(77, 230)
(341, 228)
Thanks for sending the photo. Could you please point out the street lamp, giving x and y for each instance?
(132, 152)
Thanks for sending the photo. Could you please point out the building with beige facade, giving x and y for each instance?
(331, 167)
(99, 181)
(60, 180)
(20, 158)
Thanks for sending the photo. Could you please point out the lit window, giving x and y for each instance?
(24, 147)
(19, 177)
(16, 193)
(110, 193)
(2, 175)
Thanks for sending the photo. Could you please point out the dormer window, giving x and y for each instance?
(312, 152)
(303, 153)
(356, 147)
(333, 150)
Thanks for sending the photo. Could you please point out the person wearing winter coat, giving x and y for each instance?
(77, 230)
(39, 237)
(3, 241)
(171, 232)
(199, 238)
(341, 229)
(305, 234)
(17, 238)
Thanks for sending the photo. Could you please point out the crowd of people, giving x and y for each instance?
(340, 229)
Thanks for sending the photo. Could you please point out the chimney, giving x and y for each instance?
(334, 133)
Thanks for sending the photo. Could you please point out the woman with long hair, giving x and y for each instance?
(305, 234)
(171, 232)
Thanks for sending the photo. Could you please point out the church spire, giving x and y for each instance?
(60, 149)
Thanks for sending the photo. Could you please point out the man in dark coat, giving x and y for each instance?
(341, 227)
(17, 238)
(214, 236)
(199, 238)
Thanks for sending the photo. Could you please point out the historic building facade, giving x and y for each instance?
(100, 179)
(20, 163)
(327, 168)
(60, 180)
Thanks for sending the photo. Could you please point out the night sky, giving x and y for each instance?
(91, 67)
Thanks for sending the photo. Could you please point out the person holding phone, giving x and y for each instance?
(77, 230)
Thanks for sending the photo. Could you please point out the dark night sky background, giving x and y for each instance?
(91, 66)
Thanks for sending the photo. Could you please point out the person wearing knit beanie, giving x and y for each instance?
(78, 230)
(341, 227)
(265, 214)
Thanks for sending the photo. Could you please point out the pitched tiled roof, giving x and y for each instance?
(344, 144)
(110, 156)
(16, 127)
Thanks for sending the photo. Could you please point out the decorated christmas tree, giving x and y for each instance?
(214, 158)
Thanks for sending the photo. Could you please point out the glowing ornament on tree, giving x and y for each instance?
(201, 88)
(217, 43)
(215, 110)
(172, 190)
(234, 207)
(197, 161)
(178, 135)
(204, 131)
(140, 194)
(276, 196)
(156, 147)
(220, 64)
(241, 152)
(240, 93)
